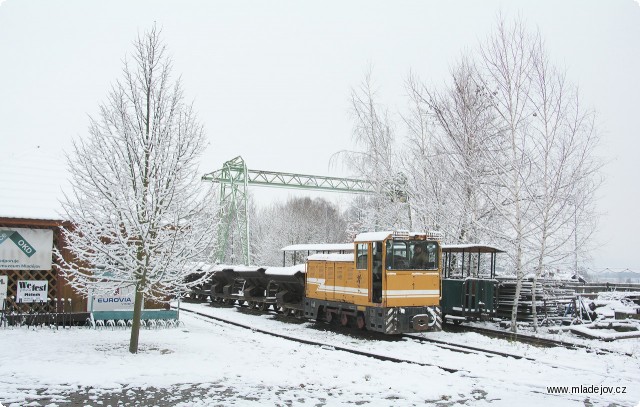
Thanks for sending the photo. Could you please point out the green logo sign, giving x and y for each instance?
(20, 241)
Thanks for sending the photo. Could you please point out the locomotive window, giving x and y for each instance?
(397, 255)
(362, 253)
(412, 255)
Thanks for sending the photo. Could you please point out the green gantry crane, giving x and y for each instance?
(234, 179)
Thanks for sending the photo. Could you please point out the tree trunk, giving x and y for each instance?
(534, 311)
(137, 313)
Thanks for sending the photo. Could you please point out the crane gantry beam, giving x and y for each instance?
(234, 179)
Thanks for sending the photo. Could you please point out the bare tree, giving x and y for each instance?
(137, 206)
(545, 157)
(453, 161)
(425, 166)
(506, 64)
(375, 160)
(298, 221)
(564, 141)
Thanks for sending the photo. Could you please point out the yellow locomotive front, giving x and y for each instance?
(390, 284)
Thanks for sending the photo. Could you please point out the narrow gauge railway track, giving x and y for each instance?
(528, 339)
(454, 347)
(449, 346)
(321, 344)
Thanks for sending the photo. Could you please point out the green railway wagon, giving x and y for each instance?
(469, 287)
(468, 298)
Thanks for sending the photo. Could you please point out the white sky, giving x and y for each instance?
(271, 80)
(243, 364)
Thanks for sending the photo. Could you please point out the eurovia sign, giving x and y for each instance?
(121, 299)
(26, 249)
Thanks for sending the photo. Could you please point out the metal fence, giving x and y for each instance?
(55, 313)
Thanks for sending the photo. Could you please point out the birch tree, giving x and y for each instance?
(137, 206)
(425, 166)
(545, 157)
(564, 140)
(506, 62)
(462, 119)
(374, 160)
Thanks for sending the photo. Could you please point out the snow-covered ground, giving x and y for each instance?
(208, 363)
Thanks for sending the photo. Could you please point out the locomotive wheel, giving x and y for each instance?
(263, 306)
(344, 319)
(251, 304)
(360, 321)
(328, 316)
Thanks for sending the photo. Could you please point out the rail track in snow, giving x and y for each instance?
(529, 339)
(454, 347)
(323, 345)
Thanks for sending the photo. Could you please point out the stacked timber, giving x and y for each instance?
(551, 296)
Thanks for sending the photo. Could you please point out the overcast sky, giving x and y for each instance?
(271, 79)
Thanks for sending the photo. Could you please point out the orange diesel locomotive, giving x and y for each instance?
(390, 284)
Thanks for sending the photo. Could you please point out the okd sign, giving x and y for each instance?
(26, 249)
(32, 291)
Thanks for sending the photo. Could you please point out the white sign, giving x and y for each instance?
(4, 286)
(26, 249)
(121, 300)
(32, 291)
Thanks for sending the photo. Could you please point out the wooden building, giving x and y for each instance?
(58, 287)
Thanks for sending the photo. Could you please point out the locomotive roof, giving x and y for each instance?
(319, 247)
(380, 236)
(469, 247)
(372, 236)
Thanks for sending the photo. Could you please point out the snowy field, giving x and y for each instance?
(207, 363)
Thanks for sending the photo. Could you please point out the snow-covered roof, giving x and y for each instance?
(199, 267)
(236, 267)
(32, 183)
(331, 257)
(380, 236)
(319, 247)
(372, 236)
(475, 248)
(287, 271)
